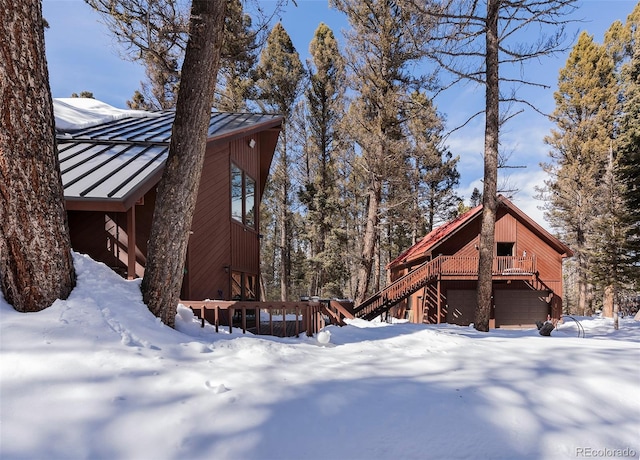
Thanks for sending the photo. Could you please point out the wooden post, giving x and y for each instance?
(438, 303)
(131, 242)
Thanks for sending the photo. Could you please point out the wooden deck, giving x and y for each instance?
(279, 329)
(281, 319)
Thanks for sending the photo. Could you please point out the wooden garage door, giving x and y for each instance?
(461, 306)
(520, 307)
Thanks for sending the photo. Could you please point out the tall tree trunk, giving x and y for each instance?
(369, 243)
(607, 301)
(492, 128)
(178, 188)
(36, 267)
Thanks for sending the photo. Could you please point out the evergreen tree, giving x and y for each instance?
(178, 188)
(476, 198)
(279, 76)
(87, 94)
(585, 108)
(154, 33)
(385, 40)
(476, 41)
(36, 267)
(320, 193)
(629, 144)
(238, 61)
(435, 167)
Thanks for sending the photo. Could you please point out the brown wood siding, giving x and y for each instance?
(88, 235)
(463, 240)
(506, 228)
(209, 245)
(246, 157)
(245, 249)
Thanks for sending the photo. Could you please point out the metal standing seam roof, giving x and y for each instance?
(114, 161)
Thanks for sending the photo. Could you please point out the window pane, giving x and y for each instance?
(250, 291)
(236, 286)
(236, 193)
(250, 202)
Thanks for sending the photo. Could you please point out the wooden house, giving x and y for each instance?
(435, 280)
(527, 271)
(110, 172)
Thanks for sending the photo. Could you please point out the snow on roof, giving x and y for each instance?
(75, 113)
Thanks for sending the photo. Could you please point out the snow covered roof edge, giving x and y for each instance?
(75, 113)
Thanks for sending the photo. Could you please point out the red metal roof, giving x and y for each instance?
(435, 236)
(445, 231)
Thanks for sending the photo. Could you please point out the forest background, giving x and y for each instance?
(83, 56)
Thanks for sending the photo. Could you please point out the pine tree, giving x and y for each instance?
(476, 41)
(320, 193)
(629, 145)
(585, 109)
(238, 60)
(154, 33)
(178, 188)
(386, 38)
(36, 267)
(279, 77)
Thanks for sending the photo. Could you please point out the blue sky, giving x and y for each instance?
(83, 56)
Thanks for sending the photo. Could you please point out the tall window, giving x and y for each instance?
(243, 197)
(244, 286)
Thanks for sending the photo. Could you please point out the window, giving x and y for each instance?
(244, 286)
(236, 193)
(504, 249)
(243, 197)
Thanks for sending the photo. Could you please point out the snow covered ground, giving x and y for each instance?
(98, 377)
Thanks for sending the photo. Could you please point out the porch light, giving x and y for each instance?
(252, 143)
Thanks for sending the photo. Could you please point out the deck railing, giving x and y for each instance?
(420, 276)
(292, 318)
(285, 319)
(502, 265)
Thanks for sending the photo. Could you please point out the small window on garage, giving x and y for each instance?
(504, 249)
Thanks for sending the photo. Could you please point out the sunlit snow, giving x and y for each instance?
(99, 377)
(74, 113)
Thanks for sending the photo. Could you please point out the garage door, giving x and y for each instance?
(520, 307)
(461, 306)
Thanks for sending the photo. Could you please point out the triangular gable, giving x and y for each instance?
(436, 236)
(447, 230)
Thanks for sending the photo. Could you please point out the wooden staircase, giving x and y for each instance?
(399, 290)
(505, 267)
